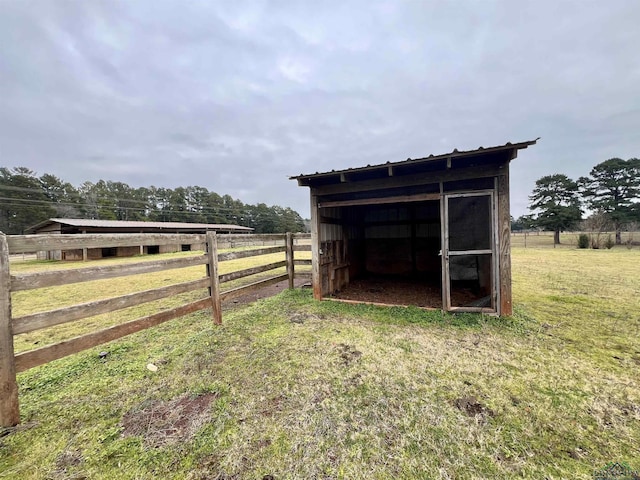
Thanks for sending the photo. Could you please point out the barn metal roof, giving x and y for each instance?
(115, 224)
(455, 153)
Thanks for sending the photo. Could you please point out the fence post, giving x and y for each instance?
(212, 272)
(9, 407)
(290, 265)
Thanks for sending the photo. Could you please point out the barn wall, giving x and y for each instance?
(198, 247)
(72, 255)
(170, 248)
(50, 254)
(127, 251)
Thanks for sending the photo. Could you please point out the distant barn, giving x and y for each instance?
(432, 232)
(80, 226)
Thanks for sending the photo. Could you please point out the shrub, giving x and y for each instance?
(609, 243)
(583, 241)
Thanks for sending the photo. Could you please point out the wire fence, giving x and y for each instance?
(538, 239)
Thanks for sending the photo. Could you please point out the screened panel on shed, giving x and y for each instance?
(470, 223)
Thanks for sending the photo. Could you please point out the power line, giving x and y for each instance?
(238, 214)
(105, 198)
(112, 200)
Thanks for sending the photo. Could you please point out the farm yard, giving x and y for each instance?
(288, 387)
(299, 240)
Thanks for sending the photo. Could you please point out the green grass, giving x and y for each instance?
(567, 239)
(306, 389)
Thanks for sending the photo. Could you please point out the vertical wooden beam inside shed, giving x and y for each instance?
(315, 247)
(504, 232)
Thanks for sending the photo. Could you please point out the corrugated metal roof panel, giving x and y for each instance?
(455, 153)
(83, 222)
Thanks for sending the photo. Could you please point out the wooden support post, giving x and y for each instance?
(212, 272)
(9, 408)
(444, 249)
(315, 248)
(289, 254)
(504, 233)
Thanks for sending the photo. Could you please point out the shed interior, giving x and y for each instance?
(391, 253)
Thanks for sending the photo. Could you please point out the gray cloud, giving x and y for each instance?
(236, 97)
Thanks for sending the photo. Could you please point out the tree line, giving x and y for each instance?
(610, 194)
(27, 199)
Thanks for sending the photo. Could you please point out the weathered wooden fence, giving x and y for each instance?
(11, 364)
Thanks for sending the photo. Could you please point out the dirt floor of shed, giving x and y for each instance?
(375, 289)
(402, 291)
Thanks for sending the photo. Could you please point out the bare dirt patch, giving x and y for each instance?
(472, 407)
(162, 423)
(348, 353)
(266, 292)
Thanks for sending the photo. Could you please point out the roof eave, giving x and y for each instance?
(304, 179)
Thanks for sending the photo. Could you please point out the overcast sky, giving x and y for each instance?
(237, 96)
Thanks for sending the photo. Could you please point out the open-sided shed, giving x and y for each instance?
(432, 232)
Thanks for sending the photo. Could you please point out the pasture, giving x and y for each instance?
(294, 388)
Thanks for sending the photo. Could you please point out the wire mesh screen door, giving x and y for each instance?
(469, 252)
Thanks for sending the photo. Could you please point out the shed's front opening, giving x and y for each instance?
(428, 253)
(393, 254)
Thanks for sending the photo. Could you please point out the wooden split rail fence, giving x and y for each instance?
(10, 363)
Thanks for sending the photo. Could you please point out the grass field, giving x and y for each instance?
(567, 239)
(294, 388)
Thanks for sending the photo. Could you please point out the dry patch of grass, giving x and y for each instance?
(164, 423)
(304, 389)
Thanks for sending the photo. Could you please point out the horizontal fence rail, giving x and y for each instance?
(37, 321)
(29, 281)
(10, 364)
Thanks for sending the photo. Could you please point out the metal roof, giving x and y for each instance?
(82, 222)
(455, 153)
